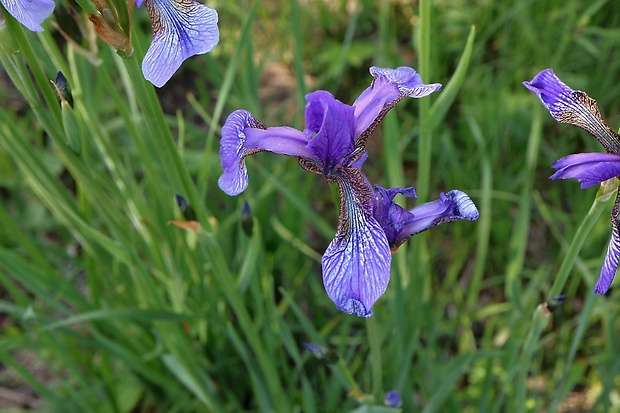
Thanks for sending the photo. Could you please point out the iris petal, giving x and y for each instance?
(408, 81)
(244, 135)
(588, 168)
(282, 140)
(333, 123)
(181, 28)
(30, 13)
(387, 89)
(610, 266)
(573, 107)
(233, 152)
(452, 206)
(356, 264)
(391, 216)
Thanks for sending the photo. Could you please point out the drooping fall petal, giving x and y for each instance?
(181, 29)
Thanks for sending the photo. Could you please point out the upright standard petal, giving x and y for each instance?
(400, 224)
(356, 264)
(333, 123)
(610, 266)
(588, 168)
(30, 13)
(388, 88)
(181, 29)
(573, 107)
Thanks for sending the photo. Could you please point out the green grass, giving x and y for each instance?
(128, 313)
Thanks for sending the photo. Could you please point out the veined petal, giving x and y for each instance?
(610, 266)
(388, 88)
(244, 135)
(573, 107)
(408, 81)
(356, 264)
(233, 151)
(452, 206)
(181, 28)
(30, 13)
(588, 168)
(333, 123)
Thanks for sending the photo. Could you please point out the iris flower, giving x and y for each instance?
(30, 13)
(356, 264)
(577, 108)
(181, 29)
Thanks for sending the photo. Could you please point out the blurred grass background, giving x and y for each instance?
(106, 308)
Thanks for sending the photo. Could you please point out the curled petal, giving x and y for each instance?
(610, 266)
(387, 89)
(181, 29)
(244, 135)
(400, 224)
(588, 168)
(30, 13)
(455, 205)
(233, 151)
(574, 107)
(356, 264)
(333, 123)
(408, 81)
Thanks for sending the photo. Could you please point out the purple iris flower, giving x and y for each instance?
(356, 264)
(30, 13)
(577, 108)
(399, 224)
(181, 29)
(392, 399)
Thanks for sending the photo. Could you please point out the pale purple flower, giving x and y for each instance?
(577, 108)
(356, 264)
(30, 13)
(181, 29)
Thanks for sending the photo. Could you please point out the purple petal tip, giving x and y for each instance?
(30, 13)
(181, 29)
(355, 307)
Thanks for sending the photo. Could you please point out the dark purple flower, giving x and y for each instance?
(577, 108)
(181, 29)
(400, 224)
(356, 264)
(30, 13)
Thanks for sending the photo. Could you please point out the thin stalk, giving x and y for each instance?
(579, 239)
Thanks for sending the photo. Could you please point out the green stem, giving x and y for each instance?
(374, 341)
(424, 68)
(575, 246)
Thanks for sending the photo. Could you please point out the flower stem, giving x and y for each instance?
(575, 246)
(424, 68)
